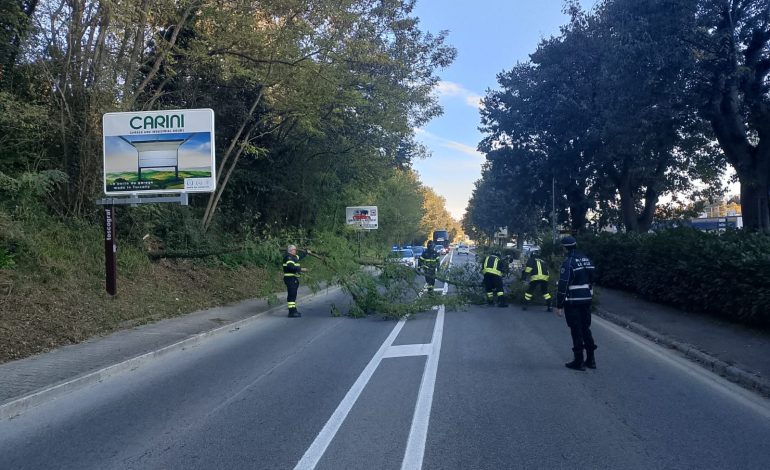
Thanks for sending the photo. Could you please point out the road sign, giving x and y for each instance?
(169, 151)
(363, 217)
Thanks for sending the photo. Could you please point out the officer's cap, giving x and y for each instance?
(569, 242)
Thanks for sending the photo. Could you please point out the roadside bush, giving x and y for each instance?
(722, 274)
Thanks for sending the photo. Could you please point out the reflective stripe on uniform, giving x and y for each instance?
(581, 286)
(492, 269)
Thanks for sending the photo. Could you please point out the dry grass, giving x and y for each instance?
(45, 311)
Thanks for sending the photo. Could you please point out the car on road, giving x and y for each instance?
(405, 257)
(418, 251)
(463, 250)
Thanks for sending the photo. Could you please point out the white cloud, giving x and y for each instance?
(451, 89)
(466, 149)
(450, 144)
(474, 100)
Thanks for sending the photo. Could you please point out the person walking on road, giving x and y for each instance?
(429, 261)
(493, 269)
(537, 271)
(574, 296)
(291, 273)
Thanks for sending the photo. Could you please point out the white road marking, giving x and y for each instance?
(756, 402)
(418, 433)
(316, 450)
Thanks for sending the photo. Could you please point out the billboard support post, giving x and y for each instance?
(110, 250)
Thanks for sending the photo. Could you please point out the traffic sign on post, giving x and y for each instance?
(362, 217)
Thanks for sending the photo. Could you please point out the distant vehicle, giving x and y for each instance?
(441, 237)
(463, 250)
(405, 257)
(528, 248)
(418, 250)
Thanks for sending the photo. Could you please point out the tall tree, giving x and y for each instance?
(732, 45)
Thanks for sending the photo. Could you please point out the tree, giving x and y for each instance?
(732, 44)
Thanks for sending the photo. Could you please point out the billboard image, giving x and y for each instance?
(159, 151)
(362, 217)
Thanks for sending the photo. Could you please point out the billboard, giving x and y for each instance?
(169, 151)
(364, 217)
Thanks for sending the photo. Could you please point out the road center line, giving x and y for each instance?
(419, 430)
(316, 450)
(418, 434)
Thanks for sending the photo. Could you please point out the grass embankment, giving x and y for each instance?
(52, 284)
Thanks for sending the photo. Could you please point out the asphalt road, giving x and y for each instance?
(483, 388)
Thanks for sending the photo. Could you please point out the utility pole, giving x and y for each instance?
(553, 208)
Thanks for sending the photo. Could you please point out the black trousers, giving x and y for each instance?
(430, 278)
(534, 286)
(579, 321)
(493, 285)
(292, 284)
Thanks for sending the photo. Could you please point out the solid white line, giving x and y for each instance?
(755, 402)
(318, 447)
(418, 434)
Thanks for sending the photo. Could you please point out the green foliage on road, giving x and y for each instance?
(724, 275)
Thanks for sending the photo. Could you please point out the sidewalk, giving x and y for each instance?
(734, 351)
(27, 382)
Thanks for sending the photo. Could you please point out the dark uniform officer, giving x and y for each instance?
(429, 261)
(537, 271)
(493, 269)
(291, 273)
(574, 295)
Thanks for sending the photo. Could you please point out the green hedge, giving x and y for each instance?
(725, 274)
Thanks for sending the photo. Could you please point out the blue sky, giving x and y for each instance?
(490, 36)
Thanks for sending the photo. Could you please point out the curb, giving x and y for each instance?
(734, 374)
(17, 406)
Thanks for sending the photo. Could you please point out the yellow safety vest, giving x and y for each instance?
(491, 268)
(540, 275)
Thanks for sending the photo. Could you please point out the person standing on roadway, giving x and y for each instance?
(493, 269)
(575, 294)
(291, 273)
(537, 271)
(429, 261)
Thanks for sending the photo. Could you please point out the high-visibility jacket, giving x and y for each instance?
(429, 259)
(536, 269)
(492, 265)
(291, 266)
(575, 280)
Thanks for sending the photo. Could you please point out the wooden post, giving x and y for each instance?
(110, 250)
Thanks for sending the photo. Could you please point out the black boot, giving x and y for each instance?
(590, 360)
(577, 363)
(293, 313)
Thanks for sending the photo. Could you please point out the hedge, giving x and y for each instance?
(726, 274)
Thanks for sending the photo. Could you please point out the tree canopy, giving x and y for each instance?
(633, 101)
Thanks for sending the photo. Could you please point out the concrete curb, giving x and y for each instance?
(18, 405)
(735, 374)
